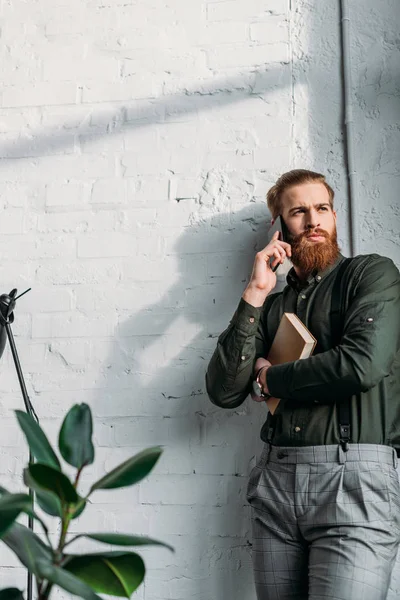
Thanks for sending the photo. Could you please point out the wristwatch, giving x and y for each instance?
(257, 387)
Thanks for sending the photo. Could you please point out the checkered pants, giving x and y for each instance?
(326, 523)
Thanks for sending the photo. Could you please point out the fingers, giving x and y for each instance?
(283, 248)
(279, 255)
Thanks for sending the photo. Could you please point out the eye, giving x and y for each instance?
(323, 208)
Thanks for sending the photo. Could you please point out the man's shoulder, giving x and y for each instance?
(373, 269)
(371, 261)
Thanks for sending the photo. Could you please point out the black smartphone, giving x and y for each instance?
(279, 225)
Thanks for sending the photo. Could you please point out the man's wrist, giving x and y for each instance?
(254, 296)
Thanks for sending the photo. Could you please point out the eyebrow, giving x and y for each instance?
(299, 207)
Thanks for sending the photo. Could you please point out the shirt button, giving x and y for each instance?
(318, 278)
(297, 429)
(251, 319)
(242, 358)
(303, 296)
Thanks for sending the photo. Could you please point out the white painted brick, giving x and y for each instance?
(65, 118)
(273, 31)
(212, 34)
(238, 11)
(56, 246)
(77, 222)
(101, 143)
(72, 194)
(163, 431)
(107, 245)
(72, 324)
(146, 163)
(38, 169)
(65, 63)
(137, 143)
(107, 192)
(76, 272)
(183, 490)
(41, 93)
(15, 223)
(19, 195)
(11, 435)
(266, 160)
(101, 299)
(244, 55)
(17, 120)
(135, 87)
(71, 353)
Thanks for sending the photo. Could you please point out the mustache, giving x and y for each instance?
(321, 232)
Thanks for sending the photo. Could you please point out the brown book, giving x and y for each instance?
(292, 341)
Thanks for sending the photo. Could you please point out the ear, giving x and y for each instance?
(335, 214)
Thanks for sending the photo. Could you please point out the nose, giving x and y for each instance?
(313, 220)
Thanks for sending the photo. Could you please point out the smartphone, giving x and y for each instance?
(279, 225)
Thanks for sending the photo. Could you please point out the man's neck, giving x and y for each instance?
(302, 275)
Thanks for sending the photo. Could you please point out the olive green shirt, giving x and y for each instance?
(364, 367)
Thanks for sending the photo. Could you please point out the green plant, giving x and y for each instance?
(118, 573)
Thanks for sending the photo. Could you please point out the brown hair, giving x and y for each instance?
(289, 179)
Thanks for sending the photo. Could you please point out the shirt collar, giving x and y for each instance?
(316, 276)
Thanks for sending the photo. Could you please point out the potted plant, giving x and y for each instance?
(116, 572)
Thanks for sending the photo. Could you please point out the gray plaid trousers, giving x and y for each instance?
(326, 523)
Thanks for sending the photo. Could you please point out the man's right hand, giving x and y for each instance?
(263, 279)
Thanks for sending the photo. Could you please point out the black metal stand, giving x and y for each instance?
(7, 304)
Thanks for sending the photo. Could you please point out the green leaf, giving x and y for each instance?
(43, 478)
(113, 573)
(49, 503)
(65, 580)
(37, 440)
(118, 539)
(129, 472)
(27, 546)
(11, 505)
(27, 509)
(11, 594)
(75, 439)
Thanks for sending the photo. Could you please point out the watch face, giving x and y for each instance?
(257, 388)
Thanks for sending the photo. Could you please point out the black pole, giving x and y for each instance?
(7, 306)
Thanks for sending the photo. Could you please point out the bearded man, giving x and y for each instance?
(325, 492)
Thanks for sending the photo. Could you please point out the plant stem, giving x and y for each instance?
(64, 530)
(79, 473)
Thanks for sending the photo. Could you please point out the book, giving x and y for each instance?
(292, 341)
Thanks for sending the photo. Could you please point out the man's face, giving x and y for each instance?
(306, 208)
(311, 225)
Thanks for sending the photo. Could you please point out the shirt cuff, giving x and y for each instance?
(247, 317)
(276, 376)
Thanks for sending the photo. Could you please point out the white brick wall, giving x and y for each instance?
(137, 141)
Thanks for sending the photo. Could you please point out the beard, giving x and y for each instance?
(313, 256)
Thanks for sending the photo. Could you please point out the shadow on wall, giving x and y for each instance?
(211, 94)
(158, 380)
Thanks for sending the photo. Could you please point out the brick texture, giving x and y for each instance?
(137, 141)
